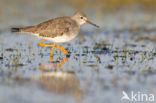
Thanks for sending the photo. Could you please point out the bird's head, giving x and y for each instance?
(81, 18)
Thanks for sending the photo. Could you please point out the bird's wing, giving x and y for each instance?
(55, 27)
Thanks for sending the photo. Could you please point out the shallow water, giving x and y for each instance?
(103, 62)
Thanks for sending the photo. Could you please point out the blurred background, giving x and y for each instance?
(120, 56)
(24, 12)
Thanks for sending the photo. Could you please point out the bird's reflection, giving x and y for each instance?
(54, 65)
(59, 82)
(61, 63)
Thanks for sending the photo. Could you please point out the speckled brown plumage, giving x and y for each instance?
(53, 28)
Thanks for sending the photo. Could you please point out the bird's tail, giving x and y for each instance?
(15, 29)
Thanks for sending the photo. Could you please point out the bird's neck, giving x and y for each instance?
(75, 18)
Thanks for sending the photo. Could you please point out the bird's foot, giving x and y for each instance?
(62, 49)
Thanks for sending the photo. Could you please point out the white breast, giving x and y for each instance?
(60, 39)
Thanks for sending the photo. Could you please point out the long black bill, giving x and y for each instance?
(89, 22)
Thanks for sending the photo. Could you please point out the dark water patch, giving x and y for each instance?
(10, 49)
(131, 58)
(83, 54)
(100, 51)
(134, 45)
(77, 54)
(68, 56)
(110, 67)
(92, 65)
(102, 45)
(90, 61)
(101, 48)
(130, 72)
(121, 56)
(16, 64)
(154, 54)
(1, 58)
(57, 61)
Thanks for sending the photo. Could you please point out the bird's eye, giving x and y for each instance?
(81, 17)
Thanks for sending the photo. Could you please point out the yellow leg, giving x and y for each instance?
(52, 51)
(53, 47)
(63, 61)
(62, 49)
(47, 45)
